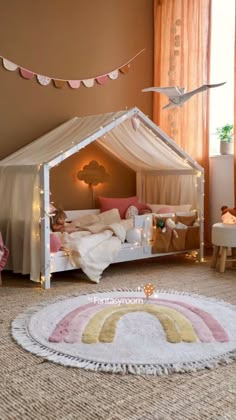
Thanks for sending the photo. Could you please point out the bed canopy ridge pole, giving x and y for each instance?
(45, 260)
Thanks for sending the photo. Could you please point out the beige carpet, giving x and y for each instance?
(32, 388)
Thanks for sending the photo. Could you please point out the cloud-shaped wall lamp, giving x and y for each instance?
(93, 174)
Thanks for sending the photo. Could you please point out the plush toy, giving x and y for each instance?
(166, 225)
(160, 224)
(228, 215)
(170, 225)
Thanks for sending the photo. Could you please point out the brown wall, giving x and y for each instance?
(72, 39)
(69, 193)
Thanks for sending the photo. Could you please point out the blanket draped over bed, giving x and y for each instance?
(95, 246)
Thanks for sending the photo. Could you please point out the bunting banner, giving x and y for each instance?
(45, 80)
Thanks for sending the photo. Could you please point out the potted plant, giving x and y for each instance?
(226, 134)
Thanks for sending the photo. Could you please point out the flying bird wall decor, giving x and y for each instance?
(177, 96)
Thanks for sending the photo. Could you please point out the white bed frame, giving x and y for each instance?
(129, 252)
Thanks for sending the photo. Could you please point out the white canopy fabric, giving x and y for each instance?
(129, 135)
(141, 149)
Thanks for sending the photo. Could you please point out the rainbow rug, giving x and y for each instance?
(126, 332)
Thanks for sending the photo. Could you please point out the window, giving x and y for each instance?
(222, 68)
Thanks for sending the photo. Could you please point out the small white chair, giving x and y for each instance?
(223, 237)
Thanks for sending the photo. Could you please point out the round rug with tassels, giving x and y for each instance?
(129, 331)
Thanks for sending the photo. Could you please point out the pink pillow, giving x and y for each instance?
(163, 210)
(121, 204)
(55, 242)
(142, 207)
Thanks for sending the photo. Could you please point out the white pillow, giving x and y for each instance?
(133, 236)
(107, 218)
(110, 216)
(178, 213)
(182, 207)
(186, 213)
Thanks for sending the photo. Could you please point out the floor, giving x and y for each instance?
(33, 388)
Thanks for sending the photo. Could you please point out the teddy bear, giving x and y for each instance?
(228, 215)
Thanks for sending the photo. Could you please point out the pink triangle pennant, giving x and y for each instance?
(26, 73)
(74, 84)
(102, 79)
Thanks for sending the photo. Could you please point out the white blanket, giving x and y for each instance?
(95, 248)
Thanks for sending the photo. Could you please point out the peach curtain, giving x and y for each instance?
(181, 58)
(235, 110)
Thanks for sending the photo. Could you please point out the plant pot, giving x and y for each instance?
(226, 148)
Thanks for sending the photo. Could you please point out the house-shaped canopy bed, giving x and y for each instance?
(129, 135)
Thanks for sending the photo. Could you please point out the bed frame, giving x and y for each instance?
(129, 252)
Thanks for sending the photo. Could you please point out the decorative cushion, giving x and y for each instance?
(131, 212)
(164, 210)
(144, 211)
(55, 242)
(121, 204)
(134, 235)
(143, 208)
(110, 216)
(182, 207)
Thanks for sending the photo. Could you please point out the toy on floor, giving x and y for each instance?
(228, 215)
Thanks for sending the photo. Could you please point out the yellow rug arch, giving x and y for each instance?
(102, 326)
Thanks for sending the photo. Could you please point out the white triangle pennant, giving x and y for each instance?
(43, 80)
(113, 74)
(8, 65)
(88, 82)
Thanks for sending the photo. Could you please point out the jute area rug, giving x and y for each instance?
(131, 331)
(34, 388)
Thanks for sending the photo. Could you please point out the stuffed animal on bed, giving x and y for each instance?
(228, 215)
(171, 225)
(167, 225)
